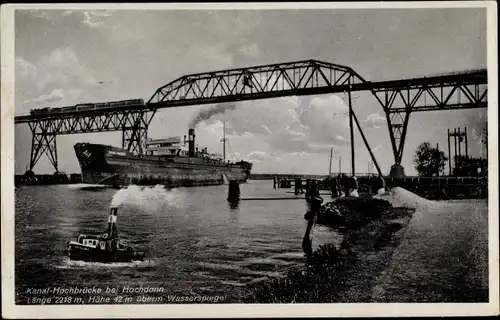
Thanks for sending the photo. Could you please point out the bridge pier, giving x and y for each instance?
(397, 171)
(135, 131)
(42, 142)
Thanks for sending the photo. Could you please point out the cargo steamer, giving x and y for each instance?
(165, 161)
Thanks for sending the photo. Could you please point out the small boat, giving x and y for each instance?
(105, 247)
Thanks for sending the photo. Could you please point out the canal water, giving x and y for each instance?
(197, 244)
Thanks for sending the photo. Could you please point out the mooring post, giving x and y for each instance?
(298, 185)
(274, 182)
(233, 194)
(333, 188)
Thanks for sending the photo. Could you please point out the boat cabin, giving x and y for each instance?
(92, 241)
(171, 146)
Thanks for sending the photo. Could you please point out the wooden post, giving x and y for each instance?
(233, 191)
(333, 188)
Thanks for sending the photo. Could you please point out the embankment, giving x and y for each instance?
(372, 229)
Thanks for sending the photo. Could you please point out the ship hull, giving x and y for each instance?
(101, 164)
(78, 252)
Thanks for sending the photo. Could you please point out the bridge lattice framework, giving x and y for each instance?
(398, 99)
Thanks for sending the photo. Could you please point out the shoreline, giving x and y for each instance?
(333, 274)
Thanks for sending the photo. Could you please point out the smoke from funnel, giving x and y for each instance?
(148, 198)
(119, 197)
(206, 114)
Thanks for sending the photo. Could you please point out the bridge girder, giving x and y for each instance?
(266, 81)
(398, 98)
(132, 123)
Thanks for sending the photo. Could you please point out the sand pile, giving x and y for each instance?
(402, 198)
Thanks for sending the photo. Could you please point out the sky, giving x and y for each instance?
(65, 57)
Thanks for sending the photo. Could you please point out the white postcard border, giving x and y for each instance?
(10, 310)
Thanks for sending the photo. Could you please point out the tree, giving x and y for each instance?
(429, 161)
(484, 134)
(468, 167)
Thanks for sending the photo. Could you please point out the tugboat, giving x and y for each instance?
(104, 247)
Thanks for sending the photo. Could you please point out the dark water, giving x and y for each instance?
(197, 243)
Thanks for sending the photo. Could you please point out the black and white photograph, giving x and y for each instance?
(248, 159)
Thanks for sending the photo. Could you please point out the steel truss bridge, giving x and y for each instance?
(398, 99)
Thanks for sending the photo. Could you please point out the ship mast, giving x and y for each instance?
(330, 167)
(224, 140)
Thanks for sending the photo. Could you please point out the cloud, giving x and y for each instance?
(62, 67)
(251, 50)
(374, 121)
(42, 15)
(207, 57)
(58, 97)
(56, 77)
(25, 68)
(55, 95)
(326, 119)
(279, 127)
(93, 19)
(261, 156)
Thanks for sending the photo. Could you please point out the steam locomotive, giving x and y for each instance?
(88, 106)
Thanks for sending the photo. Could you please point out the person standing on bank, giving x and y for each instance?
(311, 216)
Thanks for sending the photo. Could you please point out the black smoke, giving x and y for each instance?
(205, 114)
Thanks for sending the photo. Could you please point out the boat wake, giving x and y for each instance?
(87, 186)
(67, 263)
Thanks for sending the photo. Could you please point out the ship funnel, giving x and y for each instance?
(191, 142)
(112, 229)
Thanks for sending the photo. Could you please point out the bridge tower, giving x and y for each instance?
(42, 141)
(446, 92)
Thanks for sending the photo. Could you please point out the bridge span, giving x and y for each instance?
(398, 99)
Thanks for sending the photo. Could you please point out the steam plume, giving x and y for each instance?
(206, 114)
(148, 197)
(119, 197)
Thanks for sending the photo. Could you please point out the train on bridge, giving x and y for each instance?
(87, 106)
